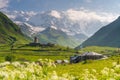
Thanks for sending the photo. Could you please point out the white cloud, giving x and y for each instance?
(86, 15)
(118, 5)
(4, 3)
(22, 15)
(11, 16)
(55, 14)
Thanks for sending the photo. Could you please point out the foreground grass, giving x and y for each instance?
(71, 71)
(42, 70)
(78, 68)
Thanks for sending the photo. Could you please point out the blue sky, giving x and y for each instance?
(45, 5)
(81, 11)
(102, 10)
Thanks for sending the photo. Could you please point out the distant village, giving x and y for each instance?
(36, 43)
(86, 56)
(73, 59)
(82, 57)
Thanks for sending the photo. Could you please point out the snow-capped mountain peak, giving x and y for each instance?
(29, 29)
(70, 21)
(35, 29)
(55, 14)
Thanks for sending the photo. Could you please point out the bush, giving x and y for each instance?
(9, 58)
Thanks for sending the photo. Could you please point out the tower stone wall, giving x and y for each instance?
(35, 40)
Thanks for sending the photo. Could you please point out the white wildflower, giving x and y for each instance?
(114, 63)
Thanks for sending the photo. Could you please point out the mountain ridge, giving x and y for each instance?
(56, 36)
(9, 31)
(106, 36)
(64, 20)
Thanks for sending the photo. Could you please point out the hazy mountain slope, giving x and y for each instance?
(106, 36)
(10, 32)
(80, 37)
(51, 35)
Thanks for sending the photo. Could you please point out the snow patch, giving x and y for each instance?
(38, 29)
(11, 16)
(65, 30)
(35, 29)
(54, 27)
(18, 22)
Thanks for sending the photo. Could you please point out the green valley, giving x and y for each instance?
(51, 35)
(24, 59)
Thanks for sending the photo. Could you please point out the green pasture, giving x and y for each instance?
(60, 53)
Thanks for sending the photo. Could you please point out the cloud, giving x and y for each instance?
(11, 16)
(55, 14)
(20, 15)
(86, 15)
(3, 3)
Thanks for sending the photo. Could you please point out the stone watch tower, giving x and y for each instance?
(35, 40)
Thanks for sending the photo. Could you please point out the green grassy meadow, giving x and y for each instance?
(77, 69)
(27, 53)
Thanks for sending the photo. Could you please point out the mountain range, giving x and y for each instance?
(49, 28)
(106, 36)
(77, 29)
(55, 36)
(52, 35)
(64, 20)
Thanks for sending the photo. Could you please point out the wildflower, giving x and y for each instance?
(16, 64)
(21, 76)
(114, 63)
(117, 67)
(4, 64)
(110, 79)
(104, 72)
(112, 70)
(54, 76)
(93, 70)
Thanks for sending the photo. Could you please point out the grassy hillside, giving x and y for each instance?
(101, 50)
(10, 32)
(106, 36)
(51, 35)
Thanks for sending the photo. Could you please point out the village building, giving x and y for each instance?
(86, 56)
